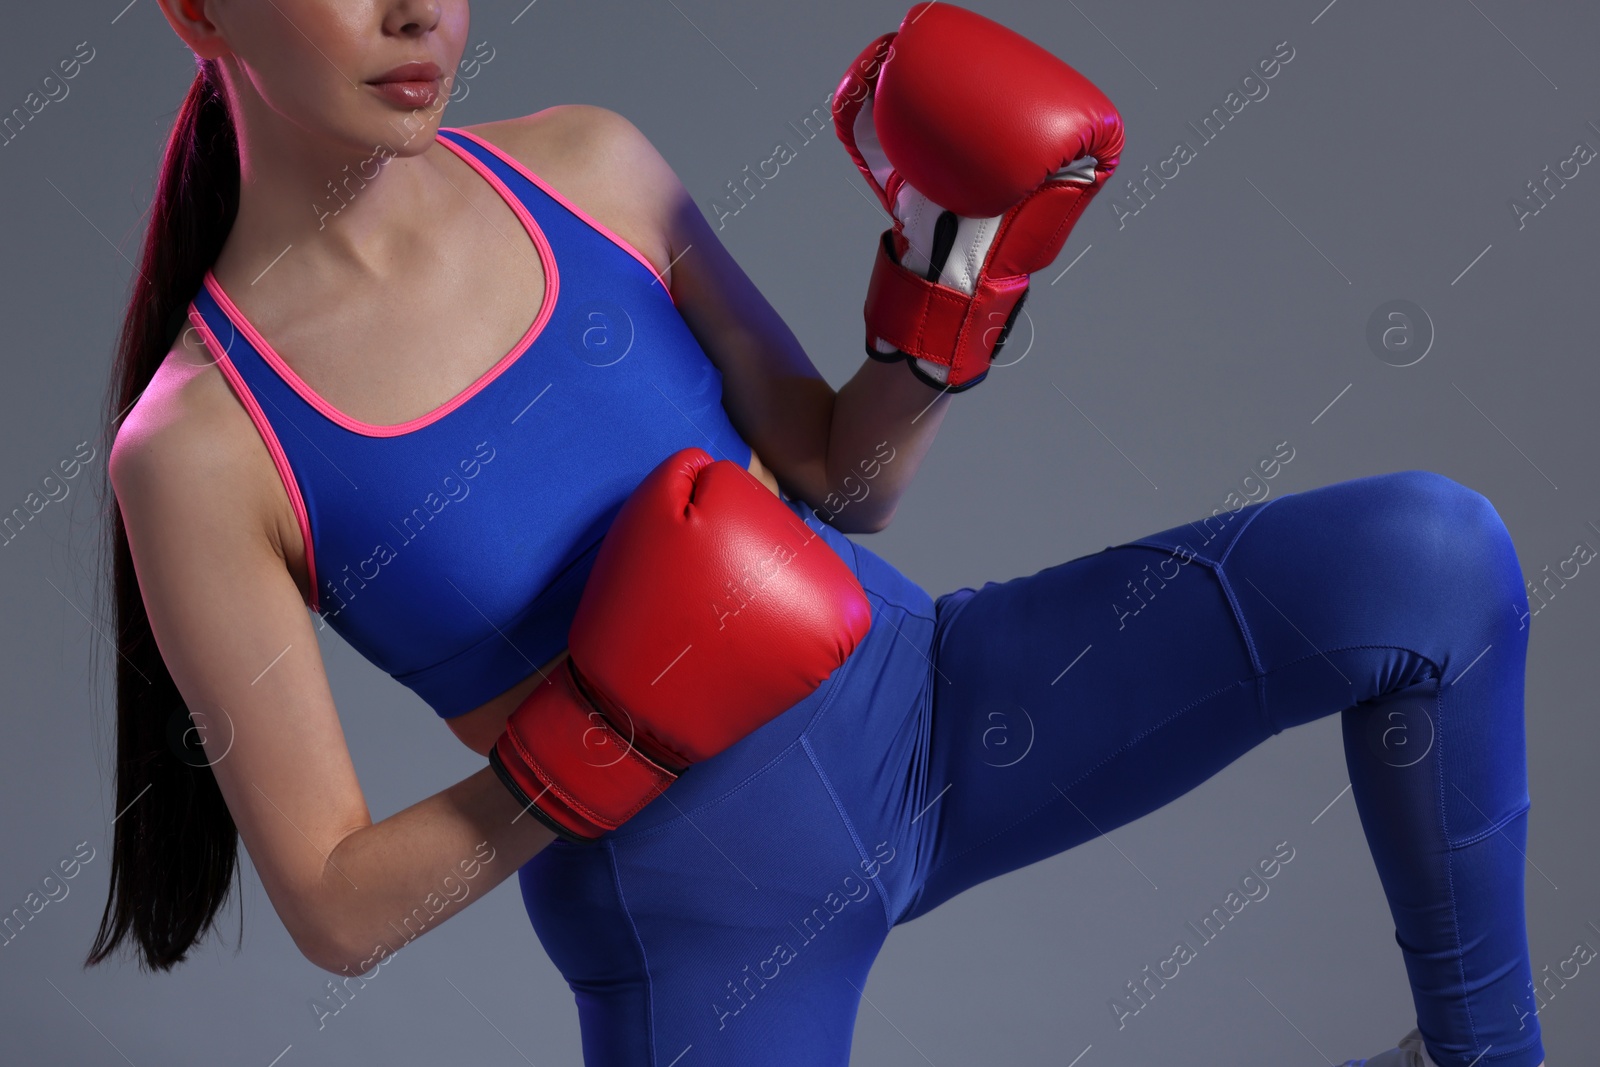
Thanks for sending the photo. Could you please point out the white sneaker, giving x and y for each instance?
(1409, 1053)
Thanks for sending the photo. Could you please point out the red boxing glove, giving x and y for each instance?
(710, 610)
(985, 148)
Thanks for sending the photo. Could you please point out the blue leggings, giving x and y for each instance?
(734, 920)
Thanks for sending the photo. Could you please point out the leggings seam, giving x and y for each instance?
(1239, 621)
(649, 985)
(1499, 825)
(855, 554)
(1450, 859)
(1249, 646)
(914, 613)
(1236, 537)
(849, 825)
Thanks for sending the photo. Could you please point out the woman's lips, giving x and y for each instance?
(408, 94)
(410, 85)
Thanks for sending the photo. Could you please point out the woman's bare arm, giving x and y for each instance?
(198, 492)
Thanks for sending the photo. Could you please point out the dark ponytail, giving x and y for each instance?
(174, 844)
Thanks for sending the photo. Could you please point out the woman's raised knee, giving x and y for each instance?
(1444, 544)
(1411, 560)
(1447, 524)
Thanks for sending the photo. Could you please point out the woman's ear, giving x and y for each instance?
(191, 21)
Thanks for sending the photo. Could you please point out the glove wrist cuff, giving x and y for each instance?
(566, 762)
(926, 320)
(919, 373)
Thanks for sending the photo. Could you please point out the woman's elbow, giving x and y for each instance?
(863, 522)
(327, 942)
(324, 950)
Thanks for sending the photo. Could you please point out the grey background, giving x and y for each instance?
(1219, 321)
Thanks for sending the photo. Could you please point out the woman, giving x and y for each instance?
(739, 913)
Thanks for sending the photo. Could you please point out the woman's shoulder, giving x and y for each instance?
(601, 161)
(188, 436)
(562, 134)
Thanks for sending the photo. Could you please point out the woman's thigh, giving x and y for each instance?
(1072, 701)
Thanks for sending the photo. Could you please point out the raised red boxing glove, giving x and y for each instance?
(711, 608)
(985, 148)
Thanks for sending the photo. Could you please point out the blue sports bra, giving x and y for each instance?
(451, 550)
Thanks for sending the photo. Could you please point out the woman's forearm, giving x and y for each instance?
(884, 421)
(388, 883)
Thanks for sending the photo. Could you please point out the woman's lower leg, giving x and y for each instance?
(1403, 592)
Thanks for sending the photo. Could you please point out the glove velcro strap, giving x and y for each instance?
(926, 320)
(921, 375)
(567, 763)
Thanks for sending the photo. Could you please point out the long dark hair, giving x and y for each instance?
(174, 847)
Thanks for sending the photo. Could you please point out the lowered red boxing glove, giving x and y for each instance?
(985, 148)
(710, 610)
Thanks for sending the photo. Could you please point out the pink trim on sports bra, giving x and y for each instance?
(274, 448)
(568, 204)
(552, 287)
